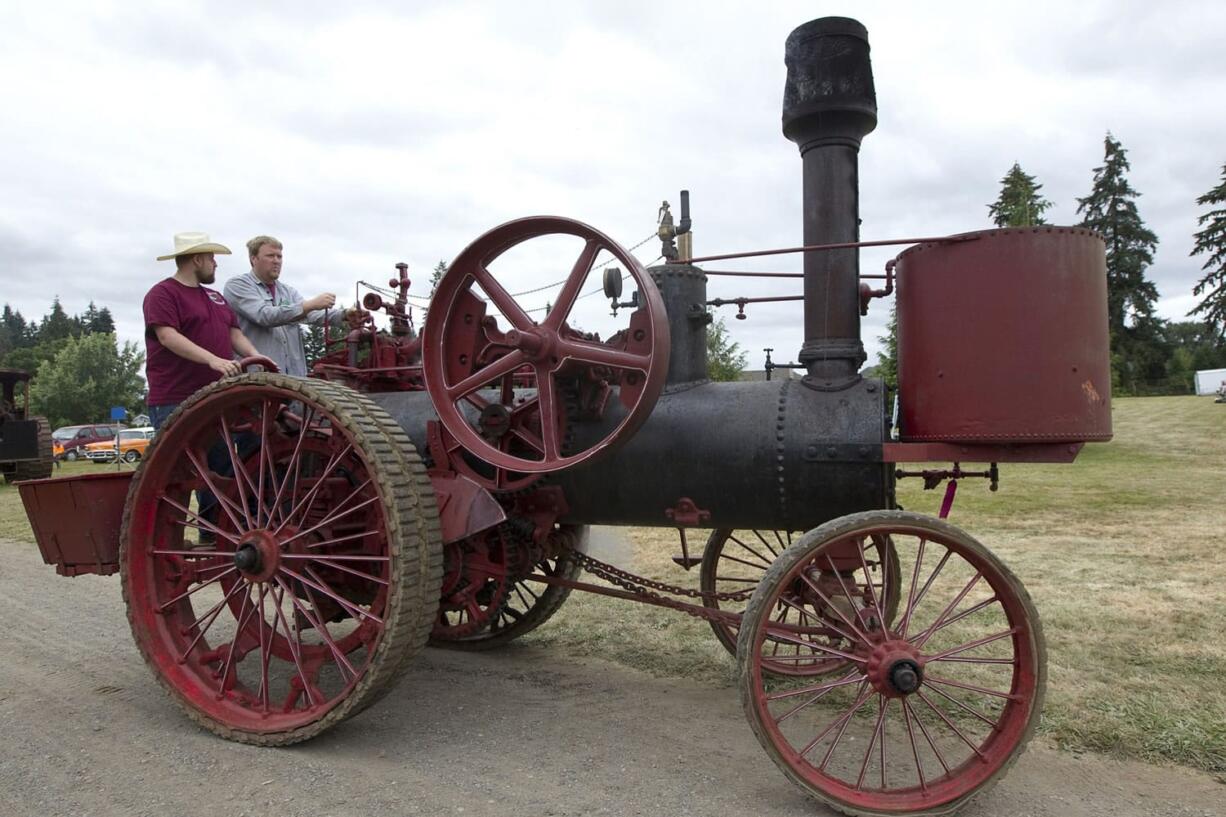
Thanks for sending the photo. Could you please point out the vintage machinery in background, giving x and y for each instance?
(437, 488)
(25, 440)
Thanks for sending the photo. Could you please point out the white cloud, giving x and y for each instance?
(363, 135)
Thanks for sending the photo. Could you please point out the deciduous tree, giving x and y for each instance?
(725, 358)
(88, 376)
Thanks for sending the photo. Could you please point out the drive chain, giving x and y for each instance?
(647, 588)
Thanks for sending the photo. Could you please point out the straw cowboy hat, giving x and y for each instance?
(192, 243)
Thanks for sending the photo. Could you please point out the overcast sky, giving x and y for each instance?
(362, 136)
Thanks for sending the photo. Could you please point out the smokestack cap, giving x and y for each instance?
(828, 97)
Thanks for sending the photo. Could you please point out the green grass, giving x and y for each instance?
(1122, 552)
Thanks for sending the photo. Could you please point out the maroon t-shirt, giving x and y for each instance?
(199, 314)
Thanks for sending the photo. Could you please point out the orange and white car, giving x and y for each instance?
(129, 444)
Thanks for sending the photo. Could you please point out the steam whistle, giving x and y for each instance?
(676, 241)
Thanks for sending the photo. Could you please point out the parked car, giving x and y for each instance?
(68, 442)
(129, 444)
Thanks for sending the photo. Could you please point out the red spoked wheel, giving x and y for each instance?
(279, 557)
(923, 714)
(734, 561)
(472, 364)
(476, 584)
(528, 603)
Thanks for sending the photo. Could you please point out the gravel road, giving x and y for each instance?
(84, 730)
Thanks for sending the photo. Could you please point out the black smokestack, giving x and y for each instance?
(829, 104)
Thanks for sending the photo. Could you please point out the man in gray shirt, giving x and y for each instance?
(270, 312)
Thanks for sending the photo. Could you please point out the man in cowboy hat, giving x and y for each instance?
(191, 334)
(271, 312)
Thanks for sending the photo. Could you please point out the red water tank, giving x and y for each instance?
(1002, 338)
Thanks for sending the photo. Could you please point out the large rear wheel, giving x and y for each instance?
(289, 593)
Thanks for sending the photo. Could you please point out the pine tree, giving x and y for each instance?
(20, 333)
(1211, 240)
(56, 325)
(440, 269)
(1019, 204)
(104, 324)
(1111, 211)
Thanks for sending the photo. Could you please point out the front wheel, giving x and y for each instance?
(72, 455)
(925, 712)
(131, 456)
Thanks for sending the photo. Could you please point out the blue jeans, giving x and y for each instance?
(158, 414)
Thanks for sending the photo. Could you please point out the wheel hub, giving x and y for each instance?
(258, 556)
(895, 669)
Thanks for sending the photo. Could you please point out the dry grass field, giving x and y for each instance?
(1121, 551)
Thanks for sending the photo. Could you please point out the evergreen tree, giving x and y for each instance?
(313, 343)
(725, 359)
(1111, 211)
(1211, 240)
(440, 269)
(104, 324)
(1019, 203)
(887, 359)
(19, 332)
(56, 325)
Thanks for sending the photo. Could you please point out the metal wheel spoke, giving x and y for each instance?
(978, 642)
(601, 355)
(967, 709)
(502, 299)
(336, 565)
(949, 608)
(291, 466)
(338, 539)
(936, 750)
(872, 743)
(198, 521)
(725, 556)
(767, 544)
(316, 620)
(293, 642)
(928, 584)
(848, 679)
(852, 677)
(476, 381)
(265, 649)
(775, 635)
(574, 282)
(868, 580)
(243, 615)
(319, 584)
(842, 724)
(951, 726)
(968, 612)
(307, 502)
(241, 477)
(765, 560)
(546, 396)
(224, 501)
(911, 600)
(930, 679)
(211, 615)
(335, 515)
(200, 586)
(261, 463)
(861, 636)
(825, 622)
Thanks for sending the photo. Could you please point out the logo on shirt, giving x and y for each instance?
(215, 297)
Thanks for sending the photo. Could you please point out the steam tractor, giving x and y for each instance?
(436, 488)
(25, 440)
